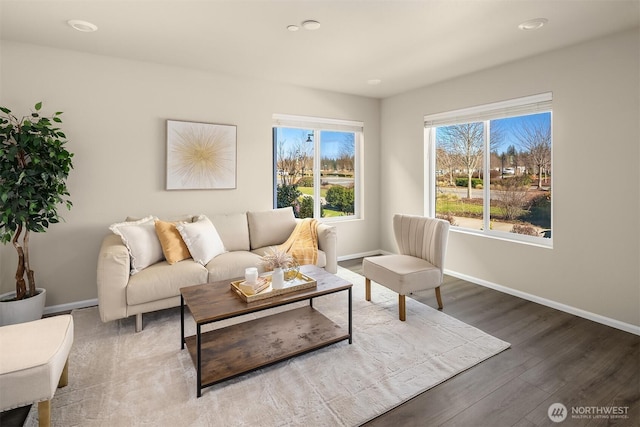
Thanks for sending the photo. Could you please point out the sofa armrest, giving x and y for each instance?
(112, 278)
(328, 243)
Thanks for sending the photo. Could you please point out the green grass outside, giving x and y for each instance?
(460, 208)
(309, 191)
(331, 213)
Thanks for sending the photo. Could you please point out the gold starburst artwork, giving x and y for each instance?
(200, 155)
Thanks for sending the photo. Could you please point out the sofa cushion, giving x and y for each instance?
(173, 247)
(162, 280)
(233, 230)
(141, 240)
(231, 265)
(272, 227)
(202, 239)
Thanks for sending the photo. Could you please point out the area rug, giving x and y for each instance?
(121, 378)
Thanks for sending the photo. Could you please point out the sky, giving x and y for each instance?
(331, 141)
(510, 125)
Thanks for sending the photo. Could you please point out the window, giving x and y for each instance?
(316, 166)
(489, 168)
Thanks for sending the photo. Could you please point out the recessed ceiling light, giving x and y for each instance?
(293, 28)
(533, 24)
(311, 25)
(374, 82)
(84, 26)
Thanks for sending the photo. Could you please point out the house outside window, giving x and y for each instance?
(316, 166)
(489, 170)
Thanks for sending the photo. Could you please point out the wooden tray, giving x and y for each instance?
(301, 281)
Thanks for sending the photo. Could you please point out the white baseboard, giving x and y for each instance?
(61, 308)
(627, 327)
(359, 255)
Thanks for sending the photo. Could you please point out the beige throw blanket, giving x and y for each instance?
(302, 244)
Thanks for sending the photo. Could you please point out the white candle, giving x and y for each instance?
(251, 275)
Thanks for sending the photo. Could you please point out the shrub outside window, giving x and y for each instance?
(489, 169)
(316, 166)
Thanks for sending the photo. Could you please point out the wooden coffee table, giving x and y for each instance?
(228, 352)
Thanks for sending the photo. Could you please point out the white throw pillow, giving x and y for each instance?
(141, 240)
(202, 239)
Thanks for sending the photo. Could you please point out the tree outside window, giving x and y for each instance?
(494, 176)
(315, 171)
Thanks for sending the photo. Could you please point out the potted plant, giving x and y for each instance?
(34, 166)
(283, 265)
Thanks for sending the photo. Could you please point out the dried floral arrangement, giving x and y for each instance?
(276, 258)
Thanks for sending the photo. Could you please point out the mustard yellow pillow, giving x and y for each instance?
(173, 246)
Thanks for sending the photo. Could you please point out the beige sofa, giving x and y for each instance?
(246, 236)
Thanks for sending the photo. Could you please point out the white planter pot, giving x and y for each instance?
(25, 310)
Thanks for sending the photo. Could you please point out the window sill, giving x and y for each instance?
(507, 237)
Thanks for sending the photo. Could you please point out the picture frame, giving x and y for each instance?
(201, 156)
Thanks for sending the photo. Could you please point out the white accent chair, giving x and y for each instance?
(34, 362)
(422, 244)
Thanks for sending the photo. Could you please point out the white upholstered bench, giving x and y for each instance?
(34, 362)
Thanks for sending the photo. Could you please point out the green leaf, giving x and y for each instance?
(33, 168)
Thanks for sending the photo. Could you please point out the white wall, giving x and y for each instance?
(114, 117)
(594, 264)
(115, 112)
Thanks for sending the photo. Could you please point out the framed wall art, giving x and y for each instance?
(200, 156)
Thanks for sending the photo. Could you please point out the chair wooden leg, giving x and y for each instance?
(367, 289)
(439, 298)
(64, 377)
(44, 413)
(402, 307)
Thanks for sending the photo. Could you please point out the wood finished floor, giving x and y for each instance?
(554, 357)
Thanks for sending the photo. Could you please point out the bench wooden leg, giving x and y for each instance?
(402, 307)
(44, 413)
(439, 297)
(138, 322)
(64, 377)
(367, 289)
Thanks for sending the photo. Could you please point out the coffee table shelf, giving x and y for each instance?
(244, 347)
(227, 352)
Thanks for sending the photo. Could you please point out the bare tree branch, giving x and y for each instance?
(536, 140)
(466, 143)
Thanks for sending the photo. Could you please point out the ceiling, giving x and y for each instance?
(405, 44)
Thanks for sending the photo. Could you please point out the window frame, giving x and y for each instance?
(528, 105)
(317, 125)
